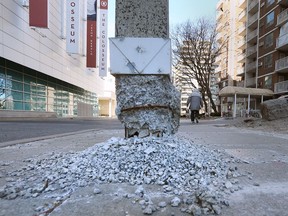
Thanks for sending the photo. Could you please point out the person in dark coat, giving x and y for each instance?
(194, 103)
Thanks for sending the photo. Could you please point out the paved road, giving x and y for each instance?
(23, 131)
(27, 130)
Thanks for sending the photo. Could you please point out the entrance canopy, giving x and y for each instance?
(233, 91)
(230, 91)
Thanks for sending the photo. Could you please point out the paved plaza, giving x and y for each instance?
(264, 169)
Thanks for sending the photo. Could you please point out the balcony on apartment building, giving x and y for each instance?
(219, 5)
(218, 60)
(282, 18)
(282, 42)
(251, 67)
(219, 26)
(218, 72)
(241, 43)
(242, 16)
(283, 2)
(242, 4)
(214, 75)
(185, 91)
(281, 87)
(219, 15)
(218, 80)
(281, 65)
(212, 80)
(252, 51)
(242, 29)
(241, 58)
(252, 36)
(253, 21)
(214, 89)
(251, 82)
(253, 6)
(224, 75)
(219, 38)
(241, 71)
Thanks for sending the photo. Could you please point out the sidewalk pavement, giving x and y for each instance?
(265, 192)
(265, 187)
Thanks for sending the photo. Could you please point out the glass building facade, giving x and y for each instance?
(22, 88)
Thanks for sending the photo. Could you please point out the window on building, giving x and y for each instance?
(268, 40)
(270, 2)
(268, 82)
(22, 88)
(270, 19)
(268, 61)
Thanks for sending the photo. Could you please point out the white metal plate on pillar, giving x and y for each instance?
(140, 56)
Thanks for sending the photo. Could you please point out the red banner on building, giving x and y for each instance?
(38, 13)
(91, 33)
(103, 38)
(104, 4)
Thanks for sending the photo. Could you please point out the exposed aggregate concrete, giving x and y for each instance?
(197, 179)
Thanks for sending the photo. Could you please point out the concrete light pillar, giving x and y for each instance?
(147, 102)
(248, 109)
(235, 106)
(262, 98)
(110, 108)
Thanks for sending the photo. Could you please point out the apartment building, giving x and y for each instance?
(260, 51)
(183, 87)
(214, 88)
(38, 75)
(272, 50)
(231, 37)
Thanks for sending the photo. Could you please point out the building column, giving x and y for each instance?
(262, 98)
(110, 108)
(235, 106)
(248, 108)
(221, 106)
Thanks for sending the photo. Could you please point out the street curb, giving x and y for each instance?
(28, 140)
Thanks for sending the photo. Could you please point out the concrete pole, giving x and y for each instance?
(235, 106)
(147, 104)
(110, 108)
(221, 107)
(248, 109)
(262, 98)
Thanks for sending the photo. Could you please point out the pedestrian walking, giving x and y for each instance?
(194, 103)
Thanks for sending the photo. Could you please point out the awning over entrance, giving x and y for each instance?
(233, 91)
(241, 91)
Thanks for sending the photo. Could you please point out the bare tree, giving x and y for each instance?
(194, 51)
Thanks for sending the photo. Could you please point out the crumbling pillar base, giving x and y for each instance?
(147, 105)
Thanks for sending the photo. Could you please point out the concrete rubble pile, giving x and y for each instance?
(194, 178)
(275, 109)
(148, 105)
